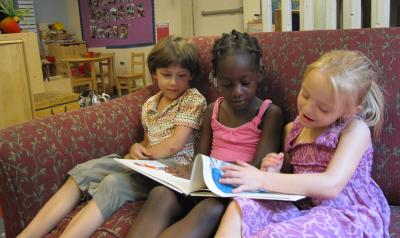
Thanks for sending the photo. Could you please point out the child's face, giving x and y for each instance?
(237, 79)
(173, 81)
(316, 101)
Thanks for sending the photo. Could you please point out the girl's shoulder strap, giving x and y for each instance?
(330, 137)
(293, 133)
(264, 106)
(216, 108)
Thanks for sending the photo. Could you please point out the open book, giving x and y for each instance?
(204, 179)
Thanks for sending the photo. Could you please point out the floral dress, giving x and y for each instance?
(360, 210)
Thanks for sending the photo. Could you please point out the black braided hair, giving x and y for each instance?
(235, 42)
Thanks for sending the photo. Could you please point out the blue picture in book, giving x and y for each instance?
(217, 174)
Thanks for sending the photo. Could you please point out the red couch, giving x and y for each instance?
(35, 156)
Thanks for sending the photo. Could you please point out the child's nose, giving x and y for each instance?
(308, 108)
(173, 80)
(237, 90)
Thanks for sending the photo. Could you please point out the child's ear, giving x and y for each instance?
(354, 112)
(261, 73)
(359, 109)
(154, 78)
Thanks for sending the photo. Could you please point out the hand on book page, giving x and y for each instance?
(245, 176)
(217, 172)
(180, 170)
(213, 174)
(217, 175)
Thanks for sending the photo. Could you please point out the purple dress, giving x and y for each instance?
(360, 210)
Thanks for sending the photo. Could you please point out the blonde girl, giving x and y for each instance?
(328, 148)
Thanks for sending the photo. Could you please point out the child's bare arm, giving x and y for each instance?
(354, 141)
(271, 134)
(203, 146)
(172, 144)
(286, 167)
(206, 134)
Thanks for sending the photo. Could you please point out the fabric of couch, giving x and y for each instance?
(35, 156)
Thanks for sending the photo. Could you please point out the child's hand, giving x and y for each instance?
(243, 175)
(180, 170)
(272, 162)
(138, 151)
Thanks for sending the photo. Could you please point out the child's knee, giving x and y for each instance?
(115, 180)
(214, 208)
(233, 208)
(118, 187)
(163, 194)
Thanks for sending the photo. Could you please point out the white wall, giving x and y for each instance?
(73, 21)
(49, 11)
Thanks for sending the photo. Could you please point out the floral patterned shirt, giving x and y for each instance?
(187, 110)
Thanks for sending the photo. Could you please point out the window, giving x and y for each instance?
(29, 23)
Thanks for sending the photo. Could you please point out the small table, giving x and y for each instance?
(91, 61)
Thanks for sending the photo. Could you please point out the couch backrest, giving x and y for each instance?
(286, 54)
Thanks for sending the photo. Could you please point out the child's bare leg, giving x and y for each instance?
(160, 208)
(85, 222)
(59, 205)
(200, 222)
(111, 193)
(231, 223)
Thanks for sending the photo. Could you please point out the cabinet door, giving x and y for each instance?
(15, 99)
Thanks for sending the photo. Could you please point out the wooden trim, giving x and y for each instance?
(286, 15)
(267, 14)
(306, 15)
(380, 13)
(352, 14)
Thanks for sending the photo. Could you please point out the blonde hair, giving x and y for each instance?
(353, 77)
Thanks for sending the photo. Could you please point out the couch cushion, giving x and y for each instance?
(35, 156)
(117, 225)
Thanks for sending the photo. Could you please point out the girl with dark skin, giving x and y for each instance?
(237, 70)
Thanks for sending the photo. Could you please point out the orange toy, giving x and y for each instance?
(9, 25)
(10, 16)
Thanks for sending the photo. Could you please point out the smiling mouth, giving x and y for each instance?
(308, 118)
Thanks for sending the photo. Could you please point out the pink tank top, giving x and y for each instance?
(236, 144)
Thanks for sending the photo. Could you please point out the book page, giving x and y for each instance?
(197, 186)
(156, 171)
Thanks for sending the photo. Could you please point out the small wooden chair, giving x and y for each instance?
(66, 68)
(128, 81)
(103, 72)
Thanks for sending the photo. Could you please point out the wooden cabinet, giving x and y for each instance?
(66, 50)
(48, 104)
(20, 77)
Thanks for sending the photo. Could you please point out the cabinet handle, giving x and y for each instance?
(52, 112)
(65, 108)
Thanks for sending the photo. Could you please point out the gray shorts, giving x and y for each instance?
(110, 184)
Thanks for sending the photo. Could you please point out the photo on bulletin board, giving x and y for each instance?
(117, 23)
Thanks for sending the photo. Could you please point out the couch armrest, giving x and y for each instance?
(35, 156)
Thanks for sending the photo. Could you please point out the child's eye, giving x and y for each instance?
(183, 76)
(324, 110)
(245, 83)
(165, 74)
(305, 95)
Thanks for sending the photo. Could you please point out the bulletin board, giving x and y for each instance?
(117, 23)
